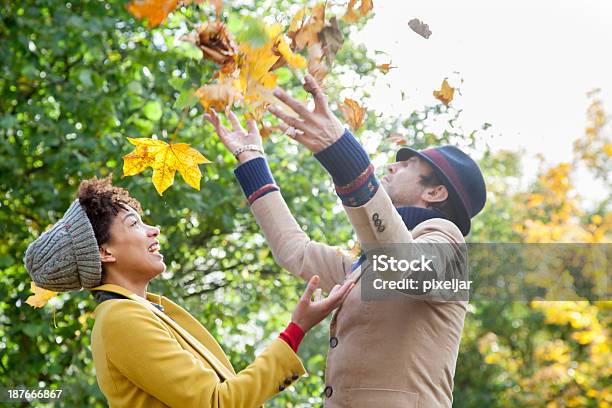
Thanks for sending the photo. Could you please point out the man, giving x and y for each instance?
(385, 354)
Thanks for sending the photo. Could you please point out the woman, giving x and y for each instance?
(148, 351)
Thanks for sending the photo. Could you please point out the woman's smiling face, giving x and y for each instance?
(133, 247)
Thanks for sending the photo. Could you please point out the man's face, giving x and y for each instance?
(402, 182)
(134, 246)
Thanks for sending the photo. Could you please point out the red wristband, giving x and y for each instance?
(293, 336)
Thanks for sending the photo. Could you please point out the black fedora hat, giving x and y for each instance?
(461, 176)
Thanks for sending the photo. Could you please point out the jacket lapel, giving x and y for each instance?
(219, 367)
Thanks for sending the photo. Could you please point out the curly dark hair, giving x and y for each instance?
(102, 202)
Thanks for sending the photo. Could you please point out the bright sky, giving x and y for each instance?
(526, 65)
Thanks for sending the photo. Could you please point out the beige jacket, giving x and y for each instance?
(382, 354)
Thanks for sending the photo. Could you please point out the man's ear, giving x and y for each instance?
(435, 194)
(106, 256)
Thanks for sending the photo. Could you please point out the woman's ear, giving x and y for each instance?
(435, 194)
(106, 256)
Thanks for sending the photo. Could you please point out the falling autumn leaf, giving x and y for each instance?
(218, 45)
(155, 11)
(385, 68)
(331, 40)
(419, 27)
(165, 159)
(282, 49)
(445, 94)
(321, 54)
(219, 95)
(306, 32)
(41, 296)
(353, 14)
(353, 113)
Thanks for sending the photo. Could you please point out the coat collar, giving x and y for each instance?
(219, 367)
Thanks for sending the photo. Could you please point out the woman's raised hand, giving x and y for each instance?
(237, 137)
(309, 313)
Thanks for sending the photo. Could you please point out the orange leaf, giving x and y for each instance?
(41, 296)
(165, 159)
(352, 14)
(155, 11)
(385, 68)
(445, 94)
(353, 113)
(219, 95)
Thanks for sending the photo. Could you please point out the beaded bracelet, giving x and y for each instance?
(245, 148)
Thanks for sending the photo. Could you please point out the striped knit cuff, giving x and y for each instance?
(255, 179)
(344, 160)
(350, 167)
(360, 191)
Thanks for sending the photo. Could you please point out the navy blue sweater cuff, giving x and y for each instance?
(345, 159)
(255, 178)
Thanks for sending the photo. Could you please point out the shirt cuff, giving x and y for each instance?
(255, 179)
(293, 336)
(350, 167)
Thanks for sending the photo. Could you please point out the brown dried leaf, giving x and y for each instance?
(304, 33)
(419, 27)
(218, 45)
(331, 39)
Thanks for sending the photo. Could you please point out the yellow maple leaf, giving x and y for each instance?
(353, 113)
(155, 11)
(166, 160)
(608, 149)
(352, 14)
(445, 94)
(41, 296)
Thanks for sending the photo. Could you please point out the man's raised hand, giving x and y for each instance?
(316, 129)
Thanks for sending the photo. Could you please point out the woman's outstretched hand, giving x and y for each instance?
(237, 137)
(315, 129)
(309, 313)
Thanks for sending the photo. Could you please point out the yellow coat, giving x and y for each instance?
(148, 358)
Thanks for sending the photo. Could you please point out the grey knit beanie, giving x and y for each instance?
(67, 256)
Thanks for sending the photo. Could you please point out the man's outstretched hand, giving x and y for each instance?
(316, 129)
